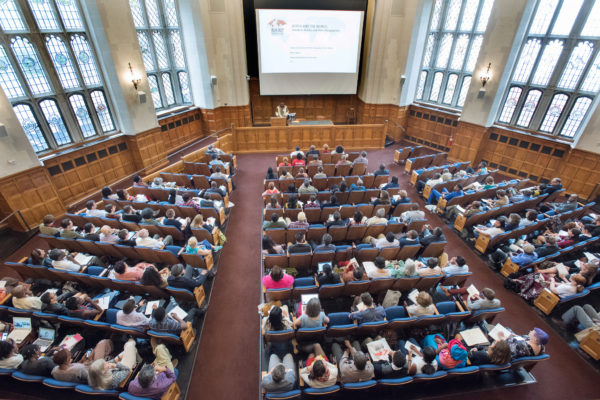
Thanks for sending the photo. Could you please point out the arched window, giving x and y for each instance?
(557, 74)
(48, 71)
(455, 34)
(159, 36)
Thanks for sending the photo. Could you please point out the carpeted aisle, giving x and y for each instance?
(228, 358)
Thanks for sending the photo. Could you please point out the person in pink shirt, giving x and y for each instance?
(277, 279)
(127, 273)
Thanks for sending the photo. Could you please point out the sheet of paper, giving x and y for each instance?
(83, 259)
(321, 265)
(409, 346)
(103, 302)
(497, 329)
(361, 306)
(306, 298)
(472, 290)
(2, 284)
(179, 312)
(379, 350)
(474, 337)
(370, 268)
(412, 296)
(562, 269)
(590, 256)
(149, 306)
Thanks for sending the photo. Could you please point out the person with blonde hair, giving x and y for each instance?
(424, 305)
(108, 235)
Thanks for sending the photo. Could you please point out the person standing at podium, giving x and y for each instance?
(282, 110)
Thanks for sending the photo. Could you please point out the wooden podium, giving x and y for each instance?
(278, 121)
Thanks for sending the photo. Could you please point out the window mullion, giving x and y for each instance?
(542, 109)
(44, 126)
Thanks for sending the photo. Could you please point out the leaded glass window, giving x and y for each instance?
(159, 37)
(453, 42)
(49, 72)
(557, 74)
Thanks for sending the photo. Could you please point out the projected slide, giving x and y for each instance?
(309, 41)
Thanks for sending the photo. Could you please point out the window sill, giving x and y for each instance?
(77, 146)
(435, 107)
(535, 134)
(173, 111)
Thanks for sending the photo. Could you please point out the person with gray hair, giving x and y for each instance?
(185, 279)
(281, 375)
(143, 239)
(362, 159)
(152, 382)
(378, 218)
(354, 364)
(105, 375)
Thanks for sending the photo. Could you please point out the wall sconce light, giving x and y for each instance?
(485, 75)
(135, 77)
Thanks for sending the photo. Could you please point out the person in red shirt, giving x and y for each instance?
(298, 160)
(285, 162)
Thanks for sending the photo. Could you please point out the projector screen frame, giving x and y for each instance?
(310, 83)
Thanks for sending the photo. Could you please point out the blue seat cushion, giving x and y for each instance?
(280, 396)
(90, 390)
(28, 378)
(59, 384)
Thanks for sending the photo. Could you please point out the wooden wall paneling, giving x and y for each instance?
(32, 193)
(261, 139)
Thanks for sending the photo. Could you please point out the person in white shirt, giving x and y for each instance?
(574, 285)
(496, 229)
(23, 299)
(389, 240)
(424, 305)
(381, 271)
(294, 153)
(486, 299)
(457, 265)
(281, 111)
(61, 261)
(129, 317)
(9, 355)
(143, 239)
(413, 214)
(92, 211)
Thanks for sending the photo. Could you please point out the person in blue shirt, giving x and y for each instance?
(381, 171)
(392, 184)
(357, 186)
(370, 313)
(521, 259)
(435, 195)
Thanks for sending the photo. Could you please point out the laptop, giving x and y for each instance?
(45, 339)
(22, 328)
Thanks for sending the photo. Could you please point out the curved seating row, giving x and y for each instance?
(472, 195)
(172, 393)
(327, 158)
(403, 153)
(320, 215)
(180, 211)
(347, 197)
(343, 233)
(369, 181)
(185, 339)
(161, 230)
(425, 161)
(427, 173)
(484, 242)
(463, 222)
(156, 256)
(526, 363)
(93, 279)
(364, 252)
(397, 318)
(308, 285)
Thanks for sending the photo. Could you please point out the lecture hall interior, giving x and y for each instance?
(298, 199)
